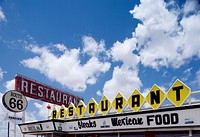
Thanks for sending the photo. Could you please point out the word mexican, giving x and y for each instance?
(126, 121)
(89, 124)
(36, 90)
(177, 94)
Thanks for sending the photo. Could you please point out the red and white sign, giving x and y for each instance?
(40, 91)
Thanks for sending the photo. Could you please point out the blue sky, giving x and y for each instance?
(94, 48)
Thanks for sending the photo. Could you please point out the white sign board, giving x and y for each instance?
(37, 127)
(14, 101)
(188, 116)
(141, 120)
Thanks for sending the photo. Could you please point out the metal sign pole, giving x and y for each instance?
(15, 125)
(23, 119)
(8, 129)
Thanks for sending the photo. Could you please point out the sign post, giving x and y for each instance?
(16, 102)
(15, 125)
(8, 129)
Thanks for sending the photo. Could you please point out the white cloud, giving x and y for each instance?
(187, 74)
(165, 73)
(93, 68)
(190, 37)
(123, 81)
(1, 74)
(125, 77)
(42, 110)
(191, 6)
(124, 52)
(145, 92)
(188, 71)
(193, 99)
(155, 44)
(60, 47)
(198, 77)
(92, 47)
(2, 15)
(67, 68)
(99, 93)
(10, 85)
(154, 17)
(196, 82)
(164, 39)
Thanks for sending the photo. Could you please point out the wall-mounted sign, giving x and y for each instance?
(37, 127)
(182, 117)
(155, 97)
(119, 103)
(14, 101)
(71, 110)
(62, 113)
(55, 113)
(40, 91)
(92, 107)
(81, 108)
(177, 94)
(104, 105)
(165, 118)
(136, 100)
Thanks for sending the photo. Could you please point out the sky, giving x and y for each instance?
(95, 48)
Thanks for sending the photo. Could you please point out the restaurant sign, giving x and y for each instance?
(40, 91)
(172, 117)
(186, 116)
(177, 94)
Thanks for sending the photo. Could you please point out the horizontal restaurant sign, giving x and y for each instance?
(187, 116)
(40, 91)
(177, 94)
(143, 120)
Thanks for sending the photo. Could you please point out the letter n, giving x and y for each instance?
(155, 97)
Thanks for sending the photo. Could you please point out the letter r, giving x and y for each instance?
(119, 102)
